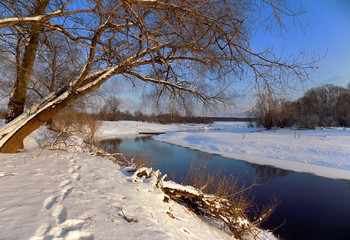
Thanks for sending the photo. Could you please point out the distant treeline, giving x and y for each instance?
(326, 106)
(233, 119)
(163, 118)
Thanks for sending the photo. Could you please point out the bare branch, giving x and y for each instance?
(183, 48)
(166, 83)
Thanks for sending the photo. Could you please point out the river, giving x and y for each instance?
(310, 207)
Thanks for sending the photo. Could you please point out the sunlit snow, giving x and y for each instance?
(66, 195)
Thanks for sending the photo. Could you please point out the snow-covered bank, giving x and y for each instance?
(323, 152)
(120, 129)
(60, 195)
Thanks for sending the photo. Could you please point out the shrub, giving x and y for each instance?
(69, 123)
(325, 106)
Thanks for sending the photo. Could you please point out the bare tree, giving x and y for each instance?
(270, 112)
(328, 105)
(325, 106)
(181, 47)
(55, 65)
(25, 64)
(111, 108)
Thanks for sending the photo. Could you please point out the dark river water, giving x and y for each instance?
(310, 207)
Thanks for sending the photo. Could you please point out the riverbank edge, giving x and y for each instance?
(321, 171)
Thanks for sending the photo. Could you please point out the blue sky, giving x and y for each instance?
(329, 32)
(326, 33)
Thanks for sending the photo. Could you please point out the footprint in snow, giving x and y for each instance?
(60, 213)
(41, 232)
(77, 167)
(71, 170)
(81, 235)
(76, 176)
(49, 202)
(65, 183)
(66, 191)
(70, 225)
(68, 230)
(72, 160)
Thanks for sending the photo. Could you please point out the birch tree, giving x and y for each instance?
(182, 48)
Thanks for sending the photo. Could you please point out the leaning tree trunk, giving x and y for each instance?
(13, 133)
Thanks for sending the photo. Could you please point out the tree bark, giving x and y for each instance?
(19, 92)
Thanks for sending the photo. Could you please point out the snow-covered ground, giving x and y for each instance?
(60, 195)
(73, 195)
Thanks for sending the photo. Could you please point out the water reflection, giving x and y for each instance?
(109, 145)
(143, 138)
(176, 164)
(267, 173)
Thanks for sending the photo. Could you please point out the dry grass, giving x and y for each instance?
(224, 200)
(138, 160)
